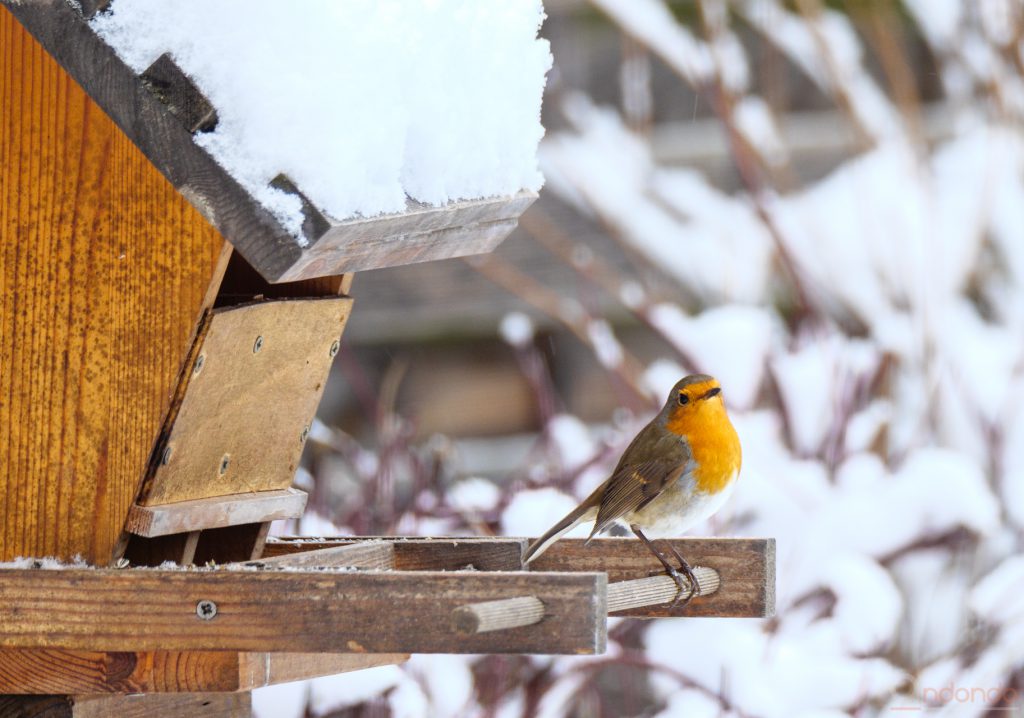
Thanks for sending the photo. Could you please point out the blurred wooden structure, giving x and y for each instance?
(163, 347)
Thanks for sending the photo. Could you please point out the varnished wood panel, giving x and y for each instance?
(104, 269)
(65, 672)
(317, 611)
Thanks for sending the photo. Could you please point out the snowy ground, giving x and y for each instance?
(867, 330)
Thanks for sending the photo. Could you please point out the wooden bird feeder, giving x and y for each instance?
(163, 347)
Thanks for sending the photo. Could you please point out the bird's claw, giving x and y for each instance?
(689, 588)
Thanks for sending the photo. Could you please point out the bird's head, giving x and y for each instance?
(694, 399)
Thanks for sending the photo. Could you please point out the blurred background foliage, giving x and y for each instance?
(821, 203)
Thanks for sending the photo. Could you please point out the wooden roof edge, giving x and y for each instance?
(161, 127)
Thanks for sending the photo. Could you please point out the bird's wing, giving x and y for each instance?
(638, 479)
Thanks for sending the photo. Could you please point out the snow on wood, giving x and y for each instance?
(361, 104)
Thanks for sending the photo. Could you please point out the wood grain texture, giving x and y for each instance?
(215, 512)
(179, 705)
(419, 234)
(252, 391)
(104, 270)
(377, 555)
(67, 672)
(291, 611)
(423, 554)
(177, 91)
(422, 233)
(35, 707)
(746, 569)
(265, 669)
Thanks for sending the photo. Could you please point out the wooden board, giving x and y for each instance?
(104, 268)
(422, 233)
(181, 705)
(67, 672)
(746, 569)
(215, 512)
(419, 234)
(291, 611)
(251, 394)
(423, 554)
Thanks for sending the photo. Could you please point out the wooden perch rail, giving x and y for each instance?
(622, 596)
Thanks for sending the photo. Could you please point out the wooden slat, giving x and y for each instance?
(419, 234)
(292, 611)
(423, 554)
(377, 555)
(746, 569)
(252, 392)
(180, 95)
(104, 268)
(180, 705)
(215, 512)
(416, 235)
(69, 672)
(264, 669)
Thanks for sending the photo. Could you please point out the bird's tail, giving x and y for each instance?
(578, 514)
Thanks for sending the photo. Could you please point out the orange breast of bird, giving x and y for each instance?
(713, 442)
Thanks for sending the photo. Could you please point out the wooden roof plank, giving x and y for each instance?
(150, 112)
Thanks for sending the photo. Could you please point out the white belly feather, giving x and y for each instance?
(679, 507)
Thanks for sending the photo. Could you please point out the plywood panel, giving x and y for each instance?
(104, 269)
(253, 388)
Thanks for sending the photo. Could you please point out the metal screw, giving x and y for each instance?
(257, 345)
(304, 435)
(334, 348)
(206, 610)
(225, 462)
(166, 458)
(200, 360)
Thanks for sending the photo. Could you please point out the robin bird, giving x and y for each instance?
(678, 471)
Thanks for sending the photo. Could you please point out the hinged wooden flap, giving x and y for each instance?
(251, 392)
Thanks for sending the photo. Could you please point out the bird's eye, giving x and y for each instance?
(683, 399)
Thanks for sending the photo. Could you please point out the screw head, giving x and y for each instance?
(225, 462)
(165, 458)
(257, 345)
(304, 435)
(206, 610)
(200, 361)
(334, 348)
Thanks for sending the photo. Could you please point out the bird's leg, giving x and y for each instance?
(694, 587)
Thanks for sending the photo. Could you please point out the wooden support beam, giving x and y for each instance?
(746, 569)
(291, 611)
(215, 512)
(46, 671)
(422, 554)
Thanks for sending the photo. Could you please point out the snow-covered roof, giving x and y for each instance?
(341, 137)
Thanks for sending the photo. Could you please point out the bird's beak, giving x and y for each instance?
(712, 392)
